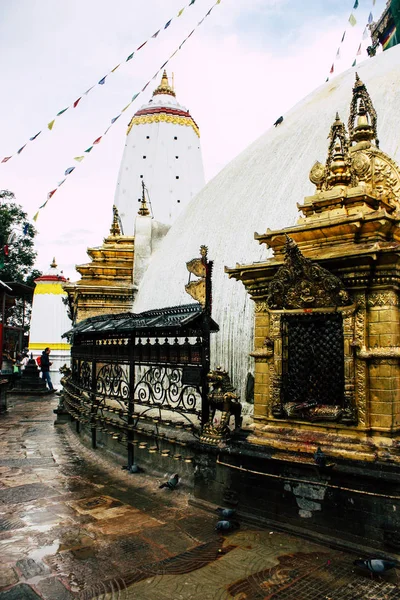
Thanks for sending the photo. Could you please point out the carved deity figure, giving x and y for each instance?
(221, 397)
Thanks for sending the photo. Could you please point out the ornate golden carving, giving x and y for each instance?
(222, 397)
(362, 109)
(376, 353)
(164, 118)
(197, 266)
(301, 283)
(164, 87)
(261, 306)
(383, 299)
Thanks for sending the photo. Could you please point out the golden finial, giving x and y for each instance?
(53, 265)
(337, 163)
(363, 119)
(164, 87)
(115, 229)
(143, 210)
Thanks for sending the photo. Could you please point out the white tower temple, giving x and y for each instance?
(49, 320)
(163, 150)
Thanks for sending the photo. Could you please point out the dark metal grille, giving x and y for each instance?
(162, 387)
(112, 380)
(313, 359)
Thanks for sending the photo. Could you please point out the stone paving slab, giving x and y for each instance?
(74, 526)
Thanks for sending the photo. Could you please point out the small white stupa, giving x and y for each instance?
(162, 150)
(49, 320)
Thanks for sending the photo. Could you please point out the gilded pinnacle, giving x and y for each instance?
(143, 210)
(115, 229)
(164, 87)
(53, 265)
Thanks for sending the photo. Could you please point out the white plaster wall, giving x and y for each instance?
(49, 320)
(259, 190)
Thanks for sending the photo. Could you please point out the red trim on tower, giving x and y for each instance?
(51, 278)
(160, 110)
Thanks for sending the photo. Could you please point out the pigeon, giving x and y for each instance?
(226, 525)
(320, 458)
(375, 565)
(226, 513)
(278, 121)
(136, 469)
(171, 483)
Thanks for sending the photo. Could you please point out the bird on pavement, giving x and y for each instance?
(278, 121)
(226, 513)
(136, 469)
(226, 525)
(171, 483)
(375, 565)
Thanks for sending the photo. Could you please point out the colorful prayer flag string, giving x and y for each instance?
(101, 81)
(352, 22)
(79, 159)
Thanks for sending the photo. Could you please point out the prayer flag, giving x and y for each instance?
(124, 109)
(79, 158)
(167, 24)
(114, 119)
(20, 150)
(218, 2)
(6, 159)
(25, 229)
(60, 182)
(145, 86)
(370, 18)
(49, 195)
(144, 43)
(373, 2)
(35, 216)
(192, 2)
(34, 137)
(155, 34)
(354, 63)
(62, 111)
(130, 57)
(135, 96)
(365, 33)
(89, 90)
(327, 79)
(338, 53)
(77, 102)
(352, 20)
(180, 12)
(343, 36)
(115, 68)
(355, 4)
(44, 204)
(97, 141)
(89, 149)
(69, 170)
(50, 125)
(106, 131)
(162, 66)
(332, 68)
(102, 80)
(359, 50)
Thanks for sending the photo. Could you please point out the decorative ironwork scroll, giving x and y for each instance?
(302, 283)
(162, 387)
(85, 375)
(112, 381)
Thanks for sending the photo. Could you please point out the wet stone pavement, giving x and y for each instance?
(74, 525)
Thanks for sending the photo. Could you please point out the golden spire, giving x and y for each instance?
(164, 87)
(143, 210)
(363, 119)
(53, 265)
(115, 229)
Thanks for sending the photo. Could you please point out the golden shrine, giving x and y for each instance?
(327, 331)
(106, 284)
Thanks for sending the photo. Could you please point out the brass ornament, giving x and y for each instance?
(363, 119)
(301, 283)
(198, 266)
(221, 397)
(317, 174)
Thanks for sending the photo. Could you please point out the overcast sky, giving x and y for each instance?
(248, 63)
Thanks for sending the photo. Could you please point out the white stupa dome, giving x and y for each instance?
(258, 190)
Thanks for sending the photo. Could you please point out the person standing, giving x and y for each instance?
(45, 368)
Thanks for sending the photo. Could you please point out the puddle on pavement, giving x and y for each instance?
(40, 553)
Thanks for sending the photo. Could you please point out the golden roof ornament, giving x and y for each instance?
(198, 267)
(143, 210)
(53, 265)
(115, 229)
(363, 118)
(164, 87)
(338, 161)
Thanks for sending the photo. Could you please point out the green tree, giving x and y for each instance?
(17, 254)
